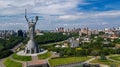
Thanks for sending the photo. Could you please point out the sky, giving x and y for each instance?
(95, 14)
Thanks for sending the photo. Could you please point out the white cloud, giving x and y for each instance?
(114, 13)
(56, 8)
(69, 17)
(105, 14)
(48, 7)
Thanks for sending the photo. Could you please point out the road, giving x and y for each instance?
(17, 46)
(1, 63)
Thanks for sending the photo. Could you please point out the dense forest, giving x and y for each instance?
(7, 44)
(52, 37)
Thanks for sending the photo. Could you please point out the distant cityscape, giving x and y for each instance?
(109, 32)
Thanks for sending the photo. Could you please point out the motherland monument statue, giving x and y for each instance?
(31, 47)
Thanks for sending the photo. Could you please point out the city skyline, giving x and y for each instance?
(60, 13)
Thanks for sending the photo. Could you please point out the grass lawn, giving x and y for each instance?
(10, 63)
(21, 58)
(117, 57)
(59, 61)
(106, 62)
(44, 56)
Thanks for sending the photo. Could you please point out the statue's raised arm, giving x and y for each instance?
(26, 16)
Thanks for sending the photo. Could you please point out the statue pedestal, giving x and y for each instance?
(22, 53)
(31, 47)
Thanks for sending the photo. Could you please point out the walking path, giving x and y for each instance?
(101, 65)
(88, 61)
(1, 63)
(112, 59)
(34, 58)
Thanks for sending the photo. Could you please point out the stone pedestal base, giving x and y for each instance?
(31, 47)
(22, 53)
